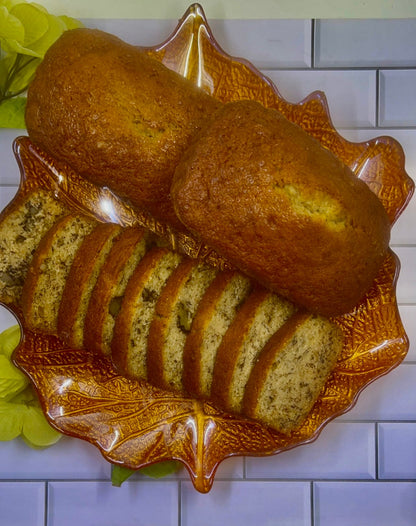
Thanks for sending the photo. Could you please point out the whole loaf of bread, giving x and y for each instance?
(273, 201)
(116, 116)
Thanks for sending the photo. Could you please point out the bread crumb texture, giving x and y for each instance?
(291, 372)
(45, 283)
(22, 227)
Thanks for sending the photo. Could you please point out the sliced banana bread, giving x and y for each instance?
(80, 282)
(105, 302)
(291, 372)
(172, 322)
(46, 277)
(22, 226)
(261, 315)
(131, 329)
(214, 315)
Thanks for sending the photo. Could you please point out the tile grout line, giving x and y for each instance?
(372, 67)
(45, 518)
(377, 101)
(179, 502)
(313, 32)
(312, 503)
(376, 450)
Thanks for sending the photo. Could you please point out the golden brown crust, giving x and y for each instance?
(137, 282)
(291, 372)
(43, 288)
(283, 209)
(23, 223)
(193, 344)
(115, 115)
(32, 275)
(229, 348)
(98, 306)
(79, 279)
(161, 320)
(266, 359)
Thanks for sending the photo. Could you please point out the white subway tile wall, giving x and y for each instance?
(397, 98)
(22, 503)
(365, 43)
(355, 89)
(361, 471)
(364, 503)
(397, 451)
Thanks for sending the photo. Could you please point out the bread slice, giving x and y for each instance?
(291, 372)
(214, 315)
(261, 315)
(22, 226)
(105, 302)
(172, 322)
(131, 329)
(46, 277)
(80, 282)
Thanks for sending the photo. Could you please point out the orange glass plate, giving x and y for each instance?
(134, 424)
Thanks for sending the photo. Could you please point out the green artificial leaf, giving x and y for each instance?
(26, 397)
(161, 469)
(12, 381)
(11, 420)
(9, 339)
(20, 410)
(34, 20)
(8, 4)
(11, 29)
(36, 431)
(119, 474)
(71, 23)
(27, 31)
(21, 73)
(12, 113)
(6, 63)
(56, 27)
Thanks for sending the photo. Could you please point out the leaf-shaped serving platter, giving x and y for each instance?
(134, 424)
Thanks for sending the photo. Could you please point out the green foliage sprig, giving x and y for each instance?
(27, 30)
(20, 410)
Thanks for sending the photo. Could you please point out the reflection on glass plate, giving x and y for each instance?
(134, 424)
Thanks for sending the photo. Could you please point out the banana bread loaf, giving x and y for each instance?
(115, 115)
(161, 299)
(282, 208)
